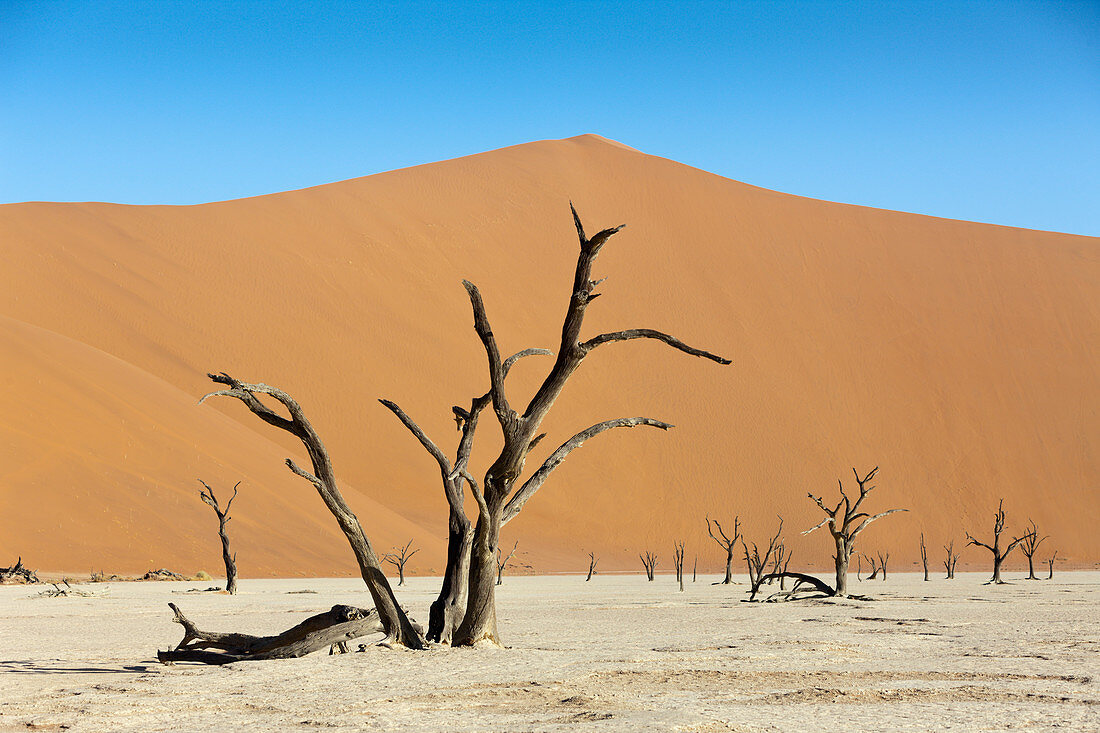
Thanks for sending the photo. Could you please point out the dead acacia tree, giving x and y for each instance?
(18, 573)
(726, 543)
(446, 612)
(882, 560)
(678, 547)
(694, 567)
(502, 562)
(502, 496)
(1030, 544)
(399, 558)
(999, 555)
(951, 560)
(1050, 565)
(874, 566)
(592, 560)
(230, 559)
(845, 522)
(400, 631)
(338, 625)
(924, 555)
(649, 562)
(758, 563)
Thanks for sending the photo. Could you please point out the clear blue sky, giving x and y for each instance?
(987, 111)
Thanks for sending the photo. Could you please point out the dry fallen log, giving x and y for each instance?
(162, 574)
(18, 573)
(800, 579)
(338, 625)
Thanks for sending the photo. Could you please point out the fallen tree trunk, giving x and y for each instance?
(338, 624)
(818, 585)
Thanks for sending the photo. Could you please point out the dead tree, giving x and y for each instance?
(399, 629)
(999, 555)
(592, 560)
(874, 567)
(230, 559)
(924, 555)
(649, 562)
(758, 563)
(859, 566)
(503, 496)
(1050, 565)
(18, 573)
(694, 567)
(882, 560)
(951, 560)
(449, 607)
(845, 522)
(399, 558)
(502, 562)
(678, 547)
(726, 543)
(781, 568)
(1030, 544)
(338, 625)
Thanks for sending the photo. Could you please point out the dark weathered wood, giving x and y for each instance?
(799, 578)
(502, 562)
(521, 431)
(230, 559)
(649, 562)
(726, 543)
(400, 631)
(18, 573)
(399, 558)
(758, 563)
(924, 555)
(1050, 565)
(999, 555)
(845, 522)
(592, 560)
(339, 624)
(882, 560)
(679, 560)
(874, 567)
(1029, 546)
(951, 560)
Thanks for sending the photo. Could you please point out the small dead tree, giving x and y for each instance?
(18, 573)
(502, 562)
(649, 562)
(845, 522)
(1030, 544)
(758, 563)
(592, 560)
(726, 543)
(951, 560)
(924, 555)
(694, 567)
(503, 496)
(999, 555)
(230, 559)
(679, 560)
(874, 567)
(882, 560)
(400, 631)
(1050, 565)
(399, 558)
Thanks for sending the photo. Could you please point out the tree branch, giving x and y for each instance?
(649, 333)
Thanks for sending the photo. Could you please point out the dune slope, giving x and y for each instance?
(964, 359)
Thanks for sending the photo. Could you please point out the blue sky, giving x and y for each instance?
(986, 111)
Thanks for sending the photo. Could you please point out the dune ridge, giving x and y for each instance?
(962, 358)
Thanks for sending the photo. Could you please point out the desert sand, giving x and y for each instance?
(962, 358)
(616, 653)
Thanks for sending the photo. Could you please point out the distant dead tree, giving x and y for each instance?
(679, 560)
(400, 631)
(882, 560)
(230, 559)
(649, 562)
(694, 567)
(18, 573)
(874, 567)
(1050, 565)
(758, 563)
(502, 562)
(726, 543)
(399, 558)
(845, 522)
(592, 560)
(951, 560)
(999, 555)
(503, 496)
(859, 566)
(1030, 544)
(924, 555)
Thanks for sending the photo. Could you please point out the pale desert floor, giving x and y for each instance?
(617, 653)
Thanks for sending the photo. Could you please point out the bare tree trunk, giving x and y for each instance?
(726, 543)
(951, 560)
(1029, 546)
(694, 567)
(995, 548)
(649, 562)
(480, 622)
(882, 564)
(502, 563)
(592, 560)
(924, 556)
(841, 559)
(679, 560)
(230, 559)
(1050, 565)
(398, 560)
(399, 629)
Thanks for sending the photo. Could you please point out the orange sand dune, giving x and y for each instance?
(962, 358)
